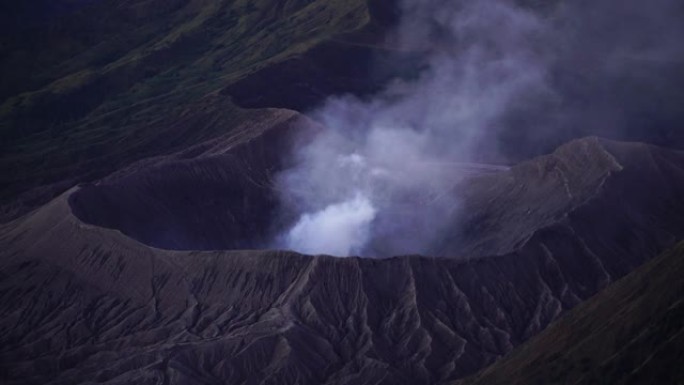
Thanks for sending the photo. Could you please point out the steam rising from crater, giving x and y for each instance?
(383, 179)
(339, 229)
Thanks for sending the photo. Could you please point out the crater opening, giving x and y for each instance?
(204, 199)
(214, 196)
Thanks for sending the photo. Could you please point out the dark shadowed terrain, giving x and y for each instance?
(82, 300)
(100, 84)
(631, 333)
(141, 144)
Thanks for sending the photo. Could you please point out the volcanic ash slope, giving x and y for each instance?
(82, 302)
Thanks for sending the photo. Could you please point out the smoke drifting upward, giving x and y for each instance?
(339, 229)
(383, 179)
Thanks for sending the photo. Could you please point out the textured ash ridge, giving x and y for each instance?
(80, 302)
(635, 324)
(216, 195)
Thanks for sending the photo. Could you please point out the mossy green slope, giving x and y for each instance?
(88, 91)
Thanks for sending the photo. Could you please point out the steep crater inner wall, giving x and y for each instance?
(209, 199)
(202, 199)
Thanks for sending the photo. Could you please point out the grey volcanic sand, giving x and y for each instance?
(83, 301)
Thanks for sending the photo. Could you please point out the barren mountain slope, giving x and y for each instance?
(82, 303)
(631, 333)
(138, 207)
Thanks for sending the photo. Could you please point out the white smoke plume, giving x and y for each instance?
(382, 180)
(339, 229)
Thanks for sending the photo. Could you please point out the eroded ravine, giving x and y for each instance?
(150, 315)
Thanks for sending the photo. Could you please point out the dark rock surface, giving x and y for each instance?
(83, 303)
(631, 333)
(343, 66)
(142, 277)
(216, 195)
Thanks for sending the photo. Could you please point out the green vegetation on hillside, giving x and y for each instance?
(91, 90)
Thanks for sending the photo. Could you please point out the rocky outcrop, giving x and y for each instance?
(81, 302)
